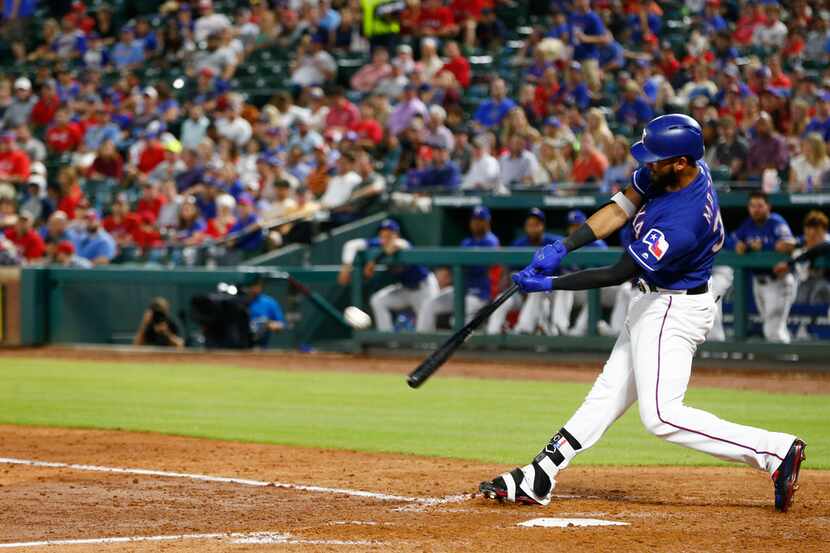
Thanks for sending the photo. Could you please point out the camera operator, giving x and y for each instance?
(157, 328)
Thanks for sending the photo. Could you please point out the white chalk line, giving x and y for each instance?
(237, 481)
(234, 537)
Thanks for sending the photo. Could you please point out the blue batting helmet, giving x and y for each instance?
(669, 136)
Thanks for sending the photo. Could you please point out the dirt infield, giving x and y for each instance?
(192, 495)
(667, 509)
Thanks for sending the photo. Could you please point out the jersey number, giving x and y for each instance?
(717, 223)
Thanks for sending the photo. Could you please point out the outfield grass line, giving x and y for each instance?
(231, 480)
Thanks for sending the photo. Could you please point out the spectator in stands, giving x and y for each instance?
(65, 135)
(457, 64)
(107, 164)
(764, 230)
(65, 256)
(633, 109)
(436, 19)
(194, 128)
(440, 174)
(436, 130)
(14, 162)
(808, 168)
(313, 66)
(821, 122)
(247, 230)
(92, 242)
(516, 123)
(341, 186)
(767, 150)
(555, 161)
(620, 166)
(157, 327)
(219, 59)
(491, 112)
(491, 32)
(128, 53)
(476, 279)
(230, 124)
(43, 111)
(343, 114)
(29, 243)
(729, 153)
(772, 33)
(209, 21)
(368, 76)
(190, 228)
(265, 313)
(485, 171)
(590, 163)
(587, 34)
(18, 112)
(405, 111)
(30, 145)
(599, 131)
(518, 166)
(55, 231)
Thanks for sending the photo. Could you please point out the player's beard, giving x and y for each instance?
(664, 180)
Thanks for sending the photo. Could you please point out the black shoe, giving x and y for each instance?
(786, 477)
(499, 489)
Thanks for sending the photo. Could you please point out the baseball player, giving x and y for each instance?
(415, 284)
(813, 286)
(531, 306)
(774, 296)
(677, 232)
(476, 279)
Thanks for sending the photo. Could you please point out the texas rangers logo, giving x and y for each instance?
(657, 244)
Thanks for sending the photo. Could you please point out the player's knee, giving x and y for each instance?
(652, 422)
(376, 301)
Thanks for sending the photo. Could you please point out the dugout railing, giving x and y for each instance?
(457, 259)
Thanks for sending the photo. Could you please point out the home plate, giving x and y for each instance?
(568, 522)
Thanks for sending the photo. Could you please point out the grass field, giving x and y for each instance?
(503, 421)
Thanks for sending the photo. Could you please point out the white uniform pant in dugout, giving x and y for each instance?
(774, 297)
(719, 285)
(396, 297)
(652, 362)
(530, 308)
(443, 303)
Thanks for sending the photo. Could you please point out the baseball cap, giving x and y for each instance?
(481, 212)
(92, 215)
(390, 224)
(8, 136)
(23, 83)
(576, 217)
(536, 212)
(245, 199)
(553, 122)
(66, 247)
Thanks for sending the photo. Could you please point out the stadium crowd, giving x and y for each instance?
(101, 154)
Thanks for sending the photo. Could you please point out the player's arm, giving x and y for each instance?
(608, 220)
(623, 270)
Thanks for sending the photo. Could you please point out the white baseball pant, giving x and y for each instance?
(719, 285)
(774, 297)
(396, 297)
(651, 363)
(443, 303)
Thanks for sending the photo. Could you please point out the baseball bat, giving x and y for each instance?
(438, 357)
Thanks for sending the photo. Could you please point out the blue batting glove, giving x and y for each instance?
(546, 260)
(533, 283)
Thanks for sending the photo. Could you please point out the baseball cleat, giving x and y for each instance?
(506, 488)
(786, 477)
